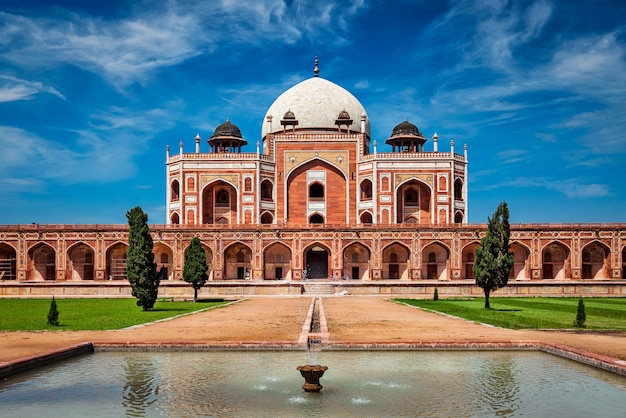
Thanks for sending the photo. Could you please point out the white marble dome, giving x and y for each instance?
(316, 103)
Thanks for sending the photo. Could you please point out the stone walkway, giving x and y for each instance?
(351, 320)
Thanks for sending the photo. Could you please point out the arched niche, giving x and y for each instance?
(356, 262)
(277, 262)
(396, 262)
(435, 258)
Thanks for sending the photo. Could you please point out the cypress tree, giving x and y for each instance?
(493, 261)
(194, 269)
(140, 266)
(581, 316)
(53, 313)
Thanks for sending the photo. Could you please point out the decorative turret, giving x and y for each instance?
(343, 119)
(405, 137)
(289, 119)
(227, 138)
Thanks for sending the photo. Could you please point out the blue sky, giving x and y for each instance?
(91, 93)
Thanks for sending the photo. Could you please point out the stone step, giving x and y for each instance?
(319, 288)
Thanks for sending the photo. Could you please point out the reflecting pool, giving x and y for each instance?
(357, 383)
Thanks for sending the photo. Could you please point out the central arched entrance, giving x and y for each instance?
(316, 259)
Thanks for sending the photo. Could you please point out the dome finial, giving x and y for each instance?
(316, 70)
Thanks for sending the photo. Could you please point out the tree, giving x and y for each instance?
(140, 266)
(53, 313)
(581, 316)
(493, 261)
(194, 270)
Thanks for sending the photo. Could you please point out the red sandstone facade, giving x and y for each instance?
(315, 201)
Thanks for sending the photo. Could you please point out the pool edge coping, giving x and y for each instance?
(603, 362)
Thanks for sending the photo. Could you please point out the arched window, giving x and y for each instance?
(175, 189)
(458, 189)
(432, 257)
(316, 219)
(222, 198)
(384, 184)
(191, 184)
(366, 190)
(410, 196)
(175, 219)
(248, 184)
(366, 218)
(267, 218)
(266, 190)
(316, 191)
(442, 183)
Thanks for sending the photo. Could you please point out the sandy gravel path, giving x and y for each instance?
(350, 319)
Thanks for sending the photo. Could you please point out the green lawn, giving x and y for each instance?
(88, 314)
(533, 313)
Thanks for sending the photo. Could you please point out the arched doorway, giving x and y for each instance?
(80, 265)
(316, 262)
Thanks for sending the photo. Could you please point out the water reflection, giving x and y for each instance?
(497, 387)
(141, 387)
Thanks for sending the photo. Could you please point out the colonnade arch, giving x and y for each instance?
(116, 261)
(42, 262)
(521, 259)
(8, 262)
(164, 259)
(468, 257)
(595, 258)
(80, 262)
(556, 262)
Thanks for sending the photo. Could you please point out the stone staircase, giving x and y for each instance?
(318, 288)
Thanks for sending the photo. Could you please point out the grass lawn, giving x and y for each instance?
(88, 314)
(533, 313)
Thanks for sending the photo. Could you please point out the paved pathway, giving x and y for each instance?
(350, 319)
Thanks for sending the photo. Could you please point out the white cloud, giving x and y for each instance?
(573, 188)
(162, 34)
(13, 88)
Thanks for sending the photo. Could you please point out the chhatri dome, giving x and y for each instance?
(316, 104)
